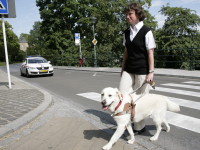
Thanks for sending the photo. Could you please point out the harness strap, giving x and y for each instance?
(129, 108)
(133, 108)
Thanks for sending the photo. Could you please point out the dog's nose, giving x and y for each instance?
(103, 102)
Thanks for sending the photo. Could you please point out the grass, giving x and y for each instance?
(2, 63)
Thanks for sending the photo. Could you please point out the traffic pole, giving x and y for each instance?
(6, 52)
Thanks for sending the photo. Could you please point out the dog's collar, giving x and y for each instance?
(120, 102)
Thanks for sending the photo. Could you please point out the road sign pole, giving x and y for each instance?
(6, 52)
(95, 55)
(78, 43)
(80, 52)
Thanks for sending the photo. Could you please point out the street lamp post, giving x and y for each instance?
(95, 55)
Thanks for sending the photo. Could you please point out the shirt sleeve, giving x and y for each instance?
(150, 41)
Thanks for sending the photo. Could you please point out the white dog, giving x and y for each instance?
(149, 105)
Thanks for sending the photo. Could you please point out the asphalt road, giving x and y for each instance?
(67, 84)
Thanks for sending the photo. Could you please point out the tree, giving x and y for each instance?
(61, 19)
(12, 44)
(178, 35)
(35, 41)
(23, 37)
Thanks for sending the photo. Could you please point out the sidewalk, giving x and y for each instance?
(24, 102)
(19, 105)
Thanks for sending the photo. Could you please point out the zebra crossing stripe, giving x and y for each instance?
(186, 103)
(177, 91)
(91, 95)
(182, 86)
(183, 121)
(192, 82)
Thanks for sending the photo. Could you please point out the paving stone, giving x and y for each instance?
(17, 101)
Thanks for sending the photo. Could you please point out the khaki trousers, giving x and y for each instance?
(129, 83)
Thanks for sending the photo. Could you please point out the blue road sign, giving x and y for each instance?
(3, 7)
(77, 35)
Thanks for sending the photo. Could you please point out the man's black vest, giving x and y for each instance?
(137, 61)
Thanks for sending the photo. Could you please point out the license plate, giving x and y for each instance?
(43, 70)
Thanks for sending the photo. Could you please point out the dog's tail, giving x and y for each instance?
(171, 106)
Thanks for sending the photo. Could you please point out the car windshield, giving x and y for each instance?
(32, 61)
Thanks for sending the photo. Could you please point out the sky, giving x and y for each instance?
(27, 13)
(157, 4)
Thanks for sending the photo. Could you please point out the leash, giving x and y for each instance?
(152, 84)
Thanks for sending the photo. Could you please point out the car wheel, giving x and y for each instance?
(21, 73)
(51, 74)
(27, 74)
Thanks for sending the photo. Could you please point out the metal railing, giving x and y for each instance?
(182, 58)
(187, 58)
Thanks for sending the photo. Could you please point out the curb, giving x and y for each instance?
(28, 117)
(180, 76)
(158, 72)
(87, 69)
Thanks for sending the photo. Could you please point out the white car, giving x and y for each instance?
(36, 66)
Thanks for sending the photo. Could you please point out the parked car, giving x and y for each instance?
(33, 66)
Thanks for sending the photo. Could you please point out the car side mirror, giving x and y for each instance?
(49, 62)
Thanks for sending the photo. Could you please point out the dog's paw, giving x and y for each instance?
(107, 147)
(131, 141)
(153, 138)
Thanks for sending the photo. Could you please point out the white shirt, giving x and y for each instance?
(149, 39)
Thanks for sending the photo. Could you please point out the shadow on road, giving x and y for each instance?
(104, 117)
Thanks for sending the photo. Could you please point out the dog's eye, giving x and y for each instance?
(102, 95)
(110, 95)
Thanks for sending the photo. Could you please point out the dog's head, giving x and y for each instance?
(109, 96)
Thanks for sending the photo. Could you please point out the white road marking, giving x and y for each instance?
(183, 121)
(94, 74)
(91, 95)
(192, 82)
(186, 103)
(182, 86)
(179, 120)
(176, 91)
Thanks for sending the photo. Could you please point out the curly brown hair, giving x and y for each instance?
(138, 10)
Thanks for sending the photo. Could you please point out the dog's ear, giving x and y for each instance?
(119, 94)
